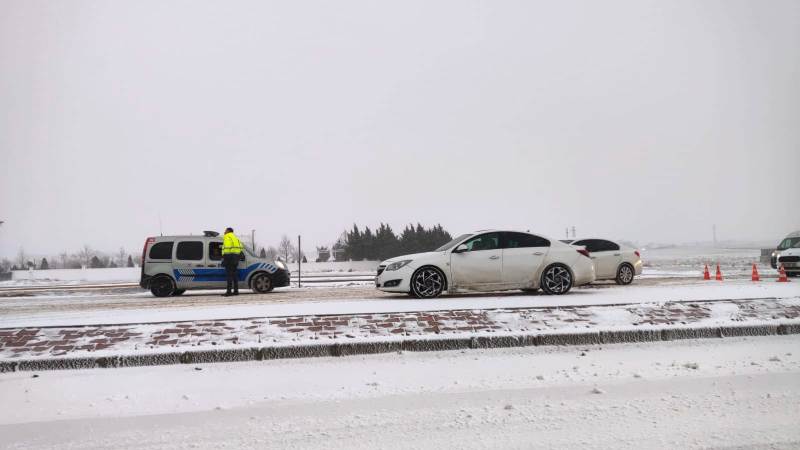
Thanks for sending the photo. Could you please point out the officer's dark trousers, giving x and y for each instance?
(231, 262)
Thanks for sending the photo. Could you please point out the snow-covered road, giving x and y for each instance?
(143, 307)
(742, 393)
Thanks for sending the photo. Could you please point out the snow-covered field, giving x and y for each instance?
(727, 393)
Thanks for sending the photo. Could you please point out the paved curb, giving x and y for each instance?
(411, 345)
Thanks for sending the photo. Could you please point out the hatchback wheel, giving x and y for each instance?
(427, 282)
(179, 292)
(624, 274)
(261, 283)
(162, 286)
(556, 280)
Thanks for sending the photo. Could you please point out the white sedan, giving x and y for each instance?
(488, 261)
(612, 261)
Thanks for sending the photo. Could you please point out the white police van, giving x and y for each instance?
(173, 264)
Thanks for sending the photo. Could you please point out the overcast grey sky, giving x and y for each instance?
(643, 120)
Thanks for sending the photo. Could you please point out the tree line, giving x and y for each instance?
(85, 257)
(383, 243)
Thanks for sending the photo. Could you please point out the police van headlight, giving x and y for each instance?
(398, 265)
(280, 265)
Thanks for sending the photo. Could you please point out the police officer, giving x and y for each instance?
(231, 253)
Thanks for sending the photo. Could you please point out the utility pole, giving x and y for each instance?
(253, 240)
(714, 232)
(573, 231)
(567, 232)
(299, 263)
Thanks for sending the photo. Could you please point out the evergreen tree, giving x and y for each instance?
(95, 262)
(130, 261)
(263, 253)
(43, 265)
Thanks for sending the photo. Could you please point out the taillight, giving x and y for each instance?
(583, 252)
(636, 252)
(147, 243)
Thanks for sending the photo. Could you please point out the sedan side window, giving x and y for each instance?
(488, 241)
(608, 246)
(520, 240)
(592, 245)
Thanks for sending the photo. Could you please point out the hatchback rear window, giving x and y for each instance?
(161, 250)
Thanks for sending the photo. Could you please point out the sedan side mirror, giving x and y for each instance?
(461, 248)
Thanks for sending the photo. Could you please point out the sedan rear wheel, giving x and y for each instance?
(427, 282)
(556, 280)
(624, 274)
(261, 283)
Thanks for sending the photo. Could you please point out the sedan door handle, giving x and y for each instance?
(616, 254)
(538, 253)
(494, 257)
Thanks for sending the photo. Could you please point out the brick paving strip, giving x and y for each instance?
(335, 335)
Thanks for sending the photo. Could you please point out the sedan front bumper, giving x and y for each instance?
(394, 280)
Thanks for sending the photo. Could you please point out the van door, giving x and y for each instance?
(189, 263)
(213, 275)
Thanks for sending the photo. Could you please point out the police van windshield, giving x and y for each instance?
(789, 243)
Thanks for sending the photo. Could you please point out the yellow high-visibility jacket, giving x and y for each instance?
(231, 244)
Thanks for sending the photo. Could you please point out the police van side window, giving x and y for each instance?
(161, 250)
(190, 251)
(215, 251)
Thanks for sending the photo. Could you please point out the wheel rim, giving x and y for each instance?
(262, 283)
(557, 279)
(625, 274)
(163, 287)
(428, 283)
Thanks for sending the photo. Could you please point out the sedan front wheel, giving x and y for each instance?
(427, 282)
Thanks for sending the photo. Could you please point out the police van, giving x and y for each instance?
(173, 264)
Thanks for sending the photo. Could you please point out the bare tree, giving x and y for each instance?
(63, 256)
(286, 249)
(271, 253)
(22, 258)
(85, 255)
(122, 255)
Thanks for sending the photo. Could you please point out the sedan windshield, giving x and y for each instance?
(452, 243)
(789, 243)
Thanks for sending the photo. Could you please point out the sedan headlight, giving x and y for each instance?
(398, 265)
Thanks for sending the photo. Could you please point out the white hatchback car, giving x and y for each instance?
(488, 260)
(612, 261)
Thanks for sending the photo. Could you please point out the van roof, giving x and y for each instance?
(793, 235)
(186, 236)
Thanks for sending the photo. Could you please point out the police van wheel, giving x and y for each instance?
(261, 283)
(162, 286)
(179, 292)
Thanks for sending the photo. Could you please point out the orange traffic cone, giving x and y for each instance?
(782, 275)
(706, 275)
(719, 274)
(755, 276)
